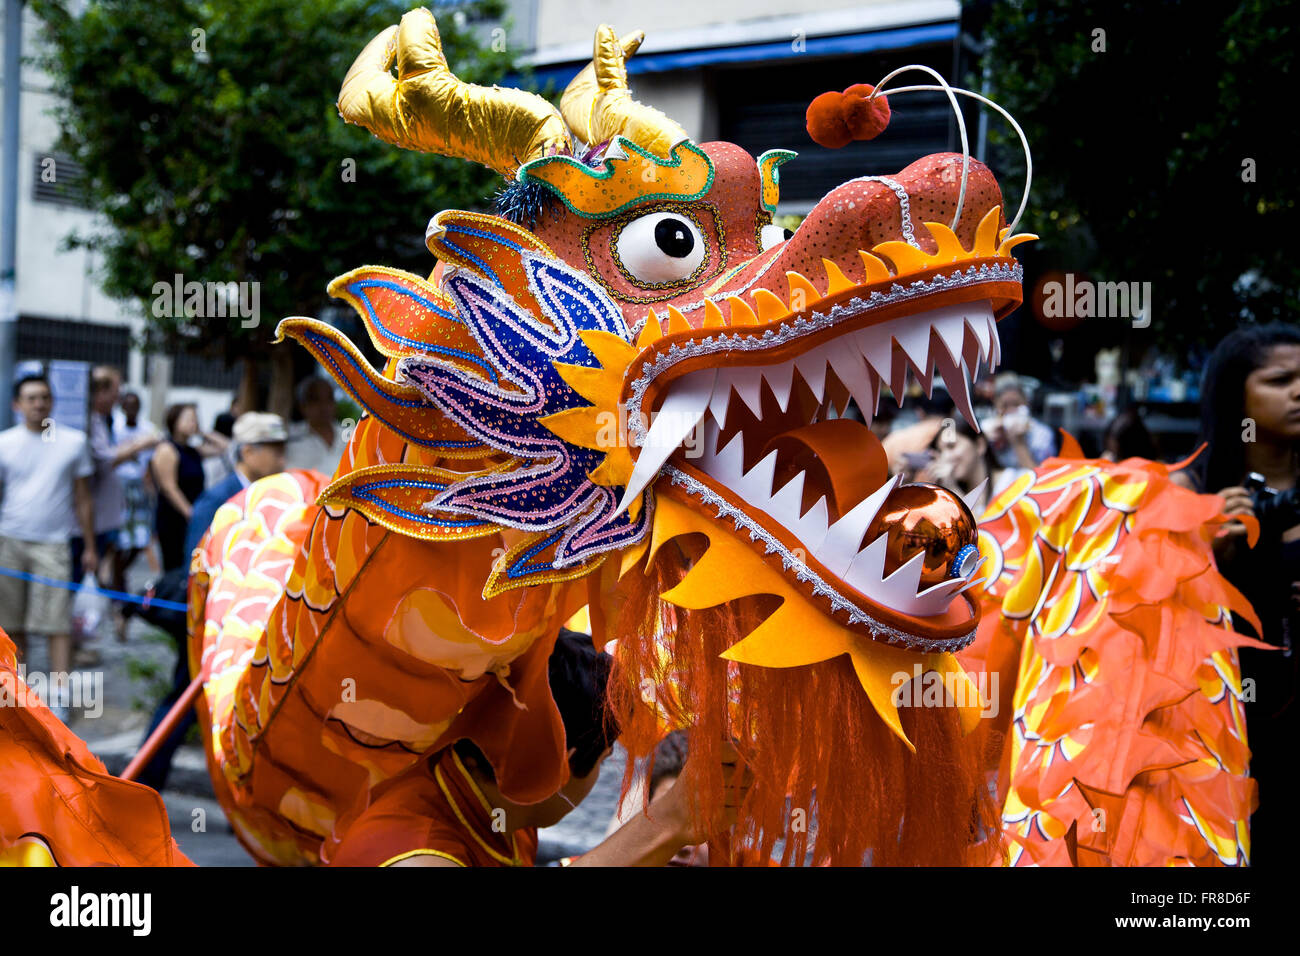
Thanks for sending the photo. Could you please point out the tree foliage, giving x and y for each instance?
(1140, 150)
(213, 149)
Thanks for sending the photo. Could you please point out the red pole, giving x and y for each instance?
(163, 730)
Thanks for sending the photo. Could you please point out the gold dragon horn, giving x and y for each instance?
(598, 105)
(426, 108)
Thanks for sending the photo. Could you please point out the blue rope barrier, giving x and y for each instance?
(121, 596)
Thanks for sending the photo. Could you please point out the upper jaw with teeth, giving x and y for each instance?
(815, 360)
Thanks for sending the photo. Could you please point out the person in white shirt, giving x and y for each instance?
(316, 442)
(45, 500)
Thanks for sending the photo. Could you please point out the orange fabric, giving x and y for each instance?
(56, 789)
(351, 651)
(436, 808)
(1121, 735)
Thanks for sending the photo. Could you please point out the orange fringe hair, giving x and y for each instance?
(808, 734)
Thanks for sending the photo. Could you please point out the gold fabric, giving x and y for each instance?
(427, 108)
(598, 105)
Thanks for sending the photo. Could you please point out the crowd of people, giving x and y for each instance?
(83, 507)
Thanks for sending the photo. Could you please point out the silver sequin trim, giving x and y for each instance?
(904, 208)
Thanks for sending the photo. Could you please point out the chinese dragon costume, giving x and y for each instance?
(625, 395)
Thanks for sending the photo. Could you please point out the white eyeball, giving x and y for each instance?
(661, 247)
(773, 235)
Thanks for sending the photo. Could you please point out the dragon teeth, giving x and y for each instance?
(840, 546)
(812, 527)
(682, 409)
(755, 487)
(957, 382)
(780, 379)
(786, 506)
(748, 383)
(812, 369)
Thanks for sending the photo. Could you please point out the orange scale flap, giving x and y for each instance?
(488, 246)
(403, 313)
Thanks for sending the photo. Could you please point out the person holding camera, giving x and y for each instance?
(1250, 419)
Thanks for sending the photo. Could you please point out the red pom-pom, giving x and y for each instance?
(826, 123)
(837, 119)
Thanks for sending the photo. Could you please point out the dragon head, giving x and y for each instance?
(630, 356)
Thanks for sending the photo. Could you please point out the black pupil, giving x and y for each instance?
(788, 233)
(672, 236)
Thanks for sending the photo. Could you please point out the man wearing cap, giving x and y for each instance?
(259, 439)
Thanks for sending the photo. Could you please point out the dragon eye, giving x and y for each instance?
(773, 235)
(661, 247)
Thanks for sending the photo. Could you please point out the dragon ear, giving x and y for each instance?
(399, 408)
(405, 315)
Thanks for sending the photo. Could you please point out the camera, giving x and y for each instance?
(1276, 510)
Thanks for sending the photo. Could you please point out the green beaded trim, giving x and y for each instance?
(608, 168)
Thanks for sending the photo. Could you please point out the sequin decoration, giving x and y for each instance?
(551, 491)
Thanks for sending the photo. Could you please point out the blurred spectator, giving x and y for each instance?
(107, 451)
(1250, 418)
(908, 448)
(45, 495)
(259, 451)
(316, 442)
(1018, 440)
(259, 444)
(177, 469)
(218, 467)
(136, 533)
(963, 459)
(1127, 437)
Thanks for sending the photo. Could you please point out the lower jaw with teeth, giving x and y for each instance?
(814, 485)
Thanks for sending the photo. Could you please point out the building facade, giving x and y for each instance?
(64, 317)
(745, 71)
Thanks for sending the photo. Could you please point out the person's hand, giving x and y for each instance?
(996, 432)
(89, 559)
(937, 472)
(145, 442)
(676, 802)
(1016, 426)
(1236, 501)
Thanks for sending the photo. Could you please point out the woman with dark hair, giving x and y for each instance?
(177, 469)
(1127, 437)
(1250, 418)
(963, 459)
